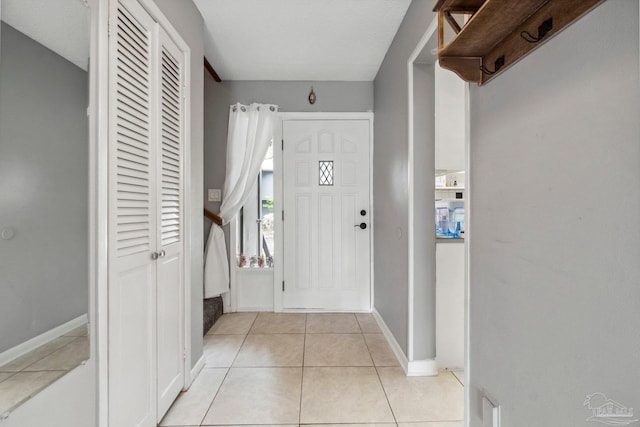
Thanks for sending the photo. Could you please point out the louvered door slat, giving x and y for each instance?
(133, 109)
(128, 179)
(167, 89)
(133, 144)
(171, 164)
(125, 69)
(130, 30)
(133, 135)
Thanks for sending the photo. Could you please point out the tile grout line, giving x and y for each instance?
(395, 420)
(214, 395)
(304, 348)
(393, 414)
(228, 371)
(456, 377)
(43, 357)
(303, 367)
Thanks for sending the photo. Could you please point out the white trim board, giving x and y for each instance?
(428, 34)
(42, 339)
(412, 368)
(193, 373)
(468, 239)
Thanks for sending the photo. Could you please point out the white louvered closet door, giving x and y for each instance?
(146, 211)
(132, 218)
(171, 220)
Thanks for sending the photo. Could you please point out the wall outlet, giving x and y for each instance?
(490, 413)
(214, 195)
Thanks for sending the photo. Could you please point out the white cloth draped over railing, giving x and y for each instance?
(251, 131)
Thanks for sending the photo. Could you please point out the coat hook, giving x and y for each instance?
(312, 96)
(497, 65)
(543, 30)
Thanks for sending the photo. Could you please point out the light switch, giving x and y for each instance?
(215, 195)
(490, 413)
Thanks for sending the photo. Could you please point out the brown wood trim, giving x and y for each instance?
(211, 71)
(514, 47)
(213, 217)
(458, 6)
(467, 68)
(452, 21)
(440, 30)
(502, 32)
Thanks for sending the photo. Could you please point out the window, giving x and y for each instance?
(326, 172)
(257, 220)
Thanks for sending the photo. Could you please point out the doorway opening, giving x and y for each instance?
(438, 274)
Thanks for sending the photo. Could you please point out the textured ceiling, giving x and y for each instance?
(299, 39)
(60, 25)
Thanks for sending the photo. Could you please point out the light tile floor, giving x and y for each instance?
(24, 377)
(314, 369)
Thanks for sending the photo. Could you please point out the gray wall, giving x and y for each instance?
(390, 186)
(289, 96)
(424, 253)
(555, 225)
(186, 19)
(43, 189)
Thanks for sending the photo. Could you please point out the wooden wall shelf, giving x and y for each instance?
(500, 32)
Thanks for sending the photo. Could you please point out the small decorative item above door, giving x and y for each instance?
(312, 96)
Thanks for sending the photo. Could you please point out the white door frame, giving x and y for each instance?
(429, 366)
(98, 201)
(278, 187)
(430, 32)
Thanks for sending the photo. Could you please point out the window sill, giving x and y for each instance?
(254, 269)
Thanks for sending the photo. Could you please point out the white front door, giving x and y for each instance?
(326, 214)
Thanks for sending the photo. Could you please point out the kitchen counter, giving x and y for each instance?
(449, 239)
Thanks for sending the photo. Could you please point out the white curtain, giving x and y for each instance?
(250, 133)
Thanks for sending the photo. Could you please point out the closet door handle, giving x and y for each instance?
(162, 254)
(154, 255)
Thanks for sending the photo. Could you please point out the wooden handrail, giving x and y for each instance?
(211, 71)
(213, 217)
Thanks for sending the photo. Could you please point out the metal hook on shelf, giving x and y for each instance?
(543, 30)
(499, 63)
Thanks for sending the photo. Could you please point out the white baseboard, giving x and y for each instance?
(259, 308)
(35, 342)
(395, 347)
(195, 371)
(412, 368)
(422, 368)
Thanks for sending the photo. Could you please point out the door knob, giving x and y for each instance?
(162, 254)
(363, 212)
(154, 255)
(362, 225)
